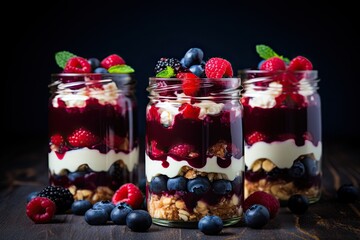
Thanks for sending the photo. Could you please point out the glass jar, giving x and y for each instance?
(282, 133)
(93, 145)
(194, 162)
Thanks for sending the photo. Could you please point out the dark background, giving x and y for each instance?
(142, 32)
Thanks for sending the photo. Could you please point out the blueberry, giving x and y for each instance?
(348, 193)
(260, 63)
(177, 183)
(100, 70)
(158, 184)
(107, 205)
(116, 171)
(297, 170)
(119, 213)
(310, 165)
(198, 185)
(31, 196)
(142, 185)
(77, 178)
(274, 173)
(210, 225)
(298, 204)
(222, 187)
(96, 216)
(257, 216)
(138, 220)
(94, 62)
(198, 70)
(80, 207)
(192, 57)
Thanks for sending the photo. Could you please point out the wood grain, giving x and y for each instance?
(327, 219)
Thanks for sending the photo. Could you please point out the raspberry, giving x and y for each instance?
(61, 196)
(41, 210)
(130, 194)
(181, 150)
(163, 62)
(255, 137)
(273, 64)
(265, 199)
(157, 153)
(189, 111)
(82, 138)
(190, 83)
(300, 63)
(153, 113)
(218, 68)
(112, 60)
(77, 65)
(291, 100)
(57, 139)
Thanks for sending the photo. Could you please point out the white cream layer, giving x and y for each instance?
(282, 154)
(97, 161)
(154, 167)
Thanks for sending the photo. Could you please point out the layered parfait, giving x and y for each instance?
(93, 145)
(194, 146)
(282, 127)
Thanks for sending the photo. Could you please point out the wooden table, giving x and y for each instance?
(328, 219)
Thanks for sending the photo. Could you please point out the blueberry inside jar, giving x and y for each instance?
(194, 161)
(93, 146)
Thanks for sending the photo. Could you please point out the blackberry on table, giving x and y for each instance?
(164, 62)
(61, 196)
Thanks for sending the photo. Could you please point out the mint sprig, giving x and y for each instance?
(123, 68)
(168, 72)
(62, 57)
(267, 52)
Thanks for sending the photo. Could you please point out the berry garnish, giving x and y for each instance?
(79, 207)
(164, 62)
(40, 210)
(107, 205)
(97, 216)
(189, 111)
(190, 83)
(255, 137)
(77, 65)
(210, 225)
(218, 68)
(298, 204)
(266, 52)
(348, 193)
(82, 137)
(119, 213)
(63, 57)
(168, 72)
(57, 139)
(181, 150)
(61, 196)
(112, 60)
(300, 63)
(265, 199)
(94, 63)
(123, 68)
(257, 216)
(130, 194)
(138, 220)
(31, 196)
(273, 64)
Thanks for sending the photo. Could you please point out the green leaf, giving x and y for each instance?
(62, 57)
(168, 72)
(123, 68)
(267, 52)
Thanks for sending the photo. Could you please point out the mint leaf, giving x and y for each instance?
(266, 52)
(62, 57)
(166, 73)
(123, 68)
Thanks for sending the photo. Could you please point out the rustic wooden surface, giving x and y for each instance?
(26, 171)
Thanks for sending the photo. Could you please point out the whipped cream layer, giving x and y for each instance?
(154, 168)
(282, 154)
(93, 158)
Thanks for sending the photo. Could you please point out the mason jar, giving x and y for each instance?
(282, 133)
(93, 139)
(194, 161)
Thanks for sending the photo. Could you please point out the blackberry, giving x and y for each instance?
(171, 62)
(61, 196)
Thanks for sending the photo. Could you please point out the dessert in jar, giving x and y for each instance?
(93, 145)
(282, 127)
(194, 161)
